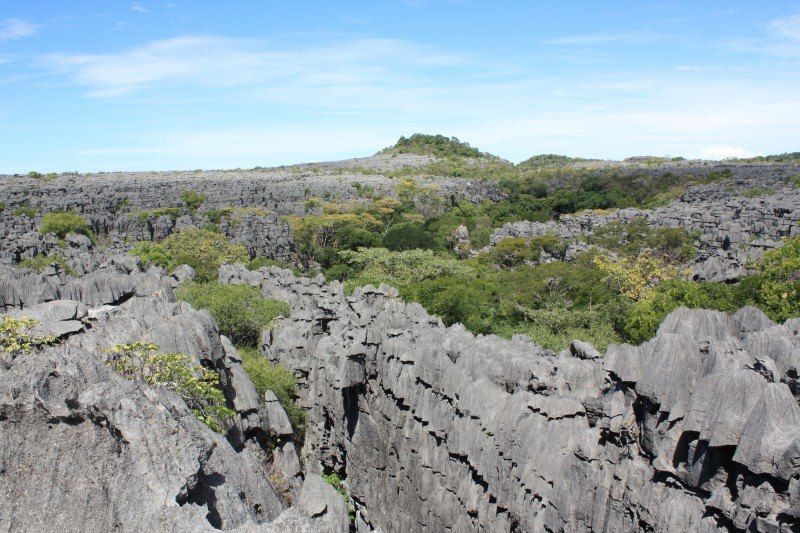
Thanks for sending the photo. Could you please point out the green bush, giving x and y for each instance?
(674, 245)
(205, 251)
(338, 272)
(555, 326)
(216, 215)
(151, 253)
(198, 386)
(192, 199)
(17, 336)
(778, 281)
(353, 237)
(62, 223)
(407, 236)
(171, 212)
(400, 269)
(24, 211)
(239, 310)
(267, 375)
(42, 261)
(639, 321)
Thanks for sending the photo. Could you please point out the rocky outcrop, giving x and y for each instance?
(436, 429)
(82, 449)
(729, 230)
(125, 206)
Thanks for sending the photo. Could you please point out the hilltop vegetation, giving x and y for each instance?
(435, 145)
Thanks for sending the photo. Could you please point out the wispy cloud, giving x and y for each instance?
(605, 38)
(139, 7)
(13, 29)
(210, 61)
(781, 37)
(238, 102)
(786, 27)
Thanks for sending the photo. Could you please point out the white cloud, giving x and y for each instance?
(603, 38)
(209, 61)
(726, 152)
(786, 27)
(139, 7)
(13, 29)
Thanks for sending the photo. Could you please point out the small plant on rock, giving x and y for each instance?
(193, 199)
(267, 375)
(198, 386)
(24, 211)
(337, 483)
(41, 261)
(17, 337)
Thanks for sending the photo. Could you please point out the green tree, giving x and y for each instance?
(62, 223)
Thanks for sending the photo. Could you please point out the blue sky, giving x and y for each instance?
(179, 84)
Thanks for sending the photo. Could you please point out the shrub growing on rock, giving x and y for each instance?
(198, 386)
(267, 375)
(24, 211)
(400, 269)
(778, 281)
(239, 310)
(17, 336)
(639, 321)
(205, 251)
(62, 223)
(193, 199)
(41, 261)
(633, 277)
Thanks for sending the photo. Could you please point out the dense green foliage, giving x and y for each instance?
(437, 145)
(777, 282)
(592, 298)
(674, 245)
(62, 223)
(551, 160)
(198, 386)
(205, 251)
(42, 261)
(239, 310)
(50, 176)
(513, 251)
(267, 375)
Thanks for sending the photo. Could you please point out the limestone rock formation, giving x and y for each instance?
(730, 229)
(437, 429)
(82, 449)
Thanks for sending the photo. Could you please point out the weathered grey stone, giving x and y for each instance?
(100, 453)
(58, 318)
(446, 430)
(320, 500)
